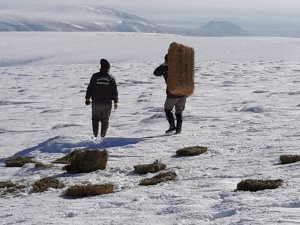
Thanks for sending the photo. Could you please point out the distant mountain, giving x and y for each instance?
(220, 29)
(80, 18)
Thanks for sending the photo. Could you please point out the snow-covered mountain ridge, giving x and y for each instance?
(82, 18)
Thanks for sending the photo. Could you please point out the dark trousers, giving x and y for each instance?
(100, 113)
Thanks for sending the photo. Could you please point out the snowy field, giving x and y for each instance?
(245, 109)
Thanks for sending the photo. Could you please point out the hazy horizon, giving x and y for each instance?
(257, 16)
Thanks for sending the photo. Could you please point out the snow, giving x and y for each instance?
(245, 109)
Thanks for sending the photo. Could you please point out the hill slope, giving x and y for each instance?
(221, 29)
(80, 18)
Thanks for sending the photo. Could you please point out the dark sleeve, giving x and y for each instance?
(115, 91)
(161, 70)
(89, 91)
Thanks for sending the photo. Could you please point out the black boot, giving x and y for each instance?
(95, 127)
(178, 122)
(170, 118)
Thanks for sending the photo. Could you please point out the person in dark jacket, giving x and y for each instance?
(102, 90)
(171, 101)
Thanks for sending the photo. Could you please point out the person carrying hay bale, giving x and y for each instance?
(178, 72)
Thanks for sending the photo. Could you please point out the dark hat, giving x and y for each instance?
(104, 64)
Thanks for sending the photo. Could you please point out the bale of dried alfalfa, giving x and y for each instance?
(191, 151)
(85, 161)
(258, 185)
(45, 183)
(159, 178)
(79, 191)
(18, 161)
(181, 69)
(286, 159)
(150, 168)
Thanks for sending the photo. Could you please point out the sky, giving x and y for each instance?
(258, 14)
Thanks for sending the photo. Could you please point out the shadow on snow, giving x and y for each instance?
(61, 144)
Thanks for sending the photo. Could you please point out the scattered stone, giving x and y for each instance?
(85, 161)
(191, 151)
(18, 161)
(286, 159)
(149, 168)
(6, 184)
(258, 185)
(7, 188)
(159, 178)
(40, 165)
(80, 191)
(45, 183)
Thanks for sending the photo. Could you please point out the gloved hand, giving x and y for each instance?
(87, 101)
(115, 105)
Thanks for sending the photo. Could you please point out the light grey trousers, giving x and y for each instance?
(178, 103)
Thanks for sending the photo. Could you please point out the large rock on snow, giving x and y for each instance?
(80, 191)
(286, 159)
(191, 151)
(159, 178)
(258, 185)
(149, 168)
(85, 161)
(18, 161)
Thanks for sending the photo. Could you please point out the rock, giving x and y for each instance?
(85, 161)
(191, 151)
(149, 168)
(258, 185)
(80, 191)
(161, 177)
(45, 183)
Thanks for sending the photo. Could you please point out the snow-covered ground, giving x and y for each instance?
(245, 109)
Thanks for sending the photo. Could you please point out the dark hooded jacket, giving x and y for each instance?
(162, 70)
(102, 88)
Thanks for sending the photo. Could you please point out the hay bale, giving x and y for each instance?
(181, 69)
(286, 159)
(159, 178)
(149, 168)
(191, 151)
(85, 161)
(18, 161)
(45, 183)
(258, 185)
(80, 191)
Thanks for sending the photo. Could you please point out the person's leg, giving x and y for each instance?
(106, 110)
(169, 105)
(179, 108)
(95, 118)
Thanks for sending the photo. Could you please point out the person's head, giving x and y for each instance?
(166, 58)
(105, 66)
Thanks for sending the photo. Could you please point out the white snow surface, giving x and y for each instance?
(245, 109)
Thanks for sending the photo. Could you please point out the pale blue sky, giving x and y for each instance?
(251, 14)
